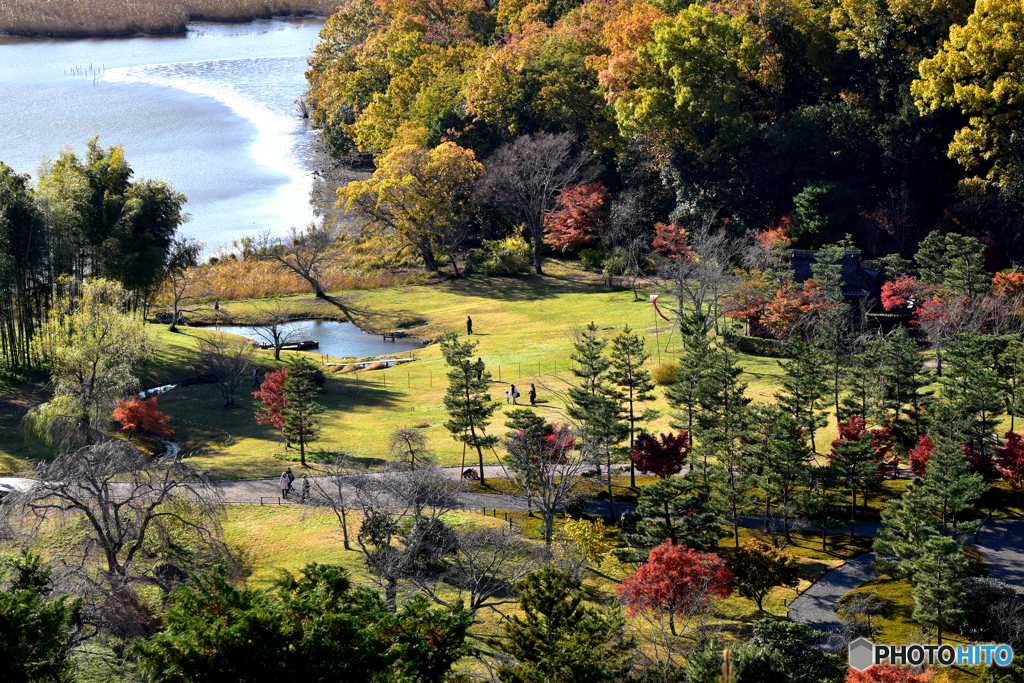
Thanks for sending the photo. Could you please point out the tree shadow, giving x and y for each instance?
(521, 288)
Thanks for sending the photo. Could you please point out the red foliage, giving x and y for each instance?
(581, 208)
(676, 580)
(981, 463)
(881, 442)
(921, 454)
(887, 673)
(1008, 283)
(559, 442)
(902, 292)
(272, 394)
(671, 240)
(775, 235)
(1010, 459)
(662, 458)
(135, 414)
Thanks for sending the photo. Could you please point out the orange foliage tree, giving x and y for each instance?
(794, 307)
(1008, 283)
(671, 240)
(136, 414)
(581, 209)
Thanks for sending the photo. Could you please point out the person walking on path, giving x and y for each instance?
(514, 393)
(305, 488)
(285, 484)
(256, 377)
(469, 325)
(291, 478)
(479, 368)
(533, 394)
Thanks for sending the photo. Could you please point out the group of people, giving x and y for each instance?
(512, 394)
(287, 478)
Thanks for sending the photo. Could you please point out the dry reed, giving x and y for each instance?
(125, 17)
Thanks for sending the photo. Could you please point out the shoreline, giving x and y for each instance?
(124, 26)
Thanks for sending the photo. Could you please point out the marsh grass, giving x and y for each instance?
(126, 17)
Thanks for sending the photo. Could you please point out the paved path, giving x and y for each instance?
(816, 606)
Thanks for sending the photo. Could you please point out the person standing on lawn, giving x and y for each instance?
(533, 394)
(469, 325)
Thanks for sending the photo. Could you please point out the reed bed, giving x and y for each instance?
(126, 17)
(231, 279)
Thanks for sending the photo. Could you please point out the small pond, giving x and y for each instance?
(337, 339)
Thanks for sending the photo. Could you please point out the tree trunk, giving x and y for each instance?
(611, 508)
(536, 251)
(549, 528)
(391, 595)
(853, 510)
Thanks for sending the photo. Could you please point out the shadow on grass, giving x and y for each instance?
(522, 288)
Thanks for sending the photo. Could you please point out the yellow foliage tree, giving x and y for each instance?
(420, 197)
(587, 538)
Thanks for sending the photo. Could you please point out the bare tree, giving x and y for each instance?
(273, 325)
(483, 570)
(228, 361)
(181, 279)
(406, 445)
(525, 176)
(402, 533)
(308, 253)
(333, 490)
(548, 471)
(124, 517)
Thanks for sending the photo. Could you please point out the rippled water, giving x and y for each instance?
(212, 111)
(337, 339)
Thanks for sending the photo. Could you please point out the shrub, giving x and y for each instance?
(592, 259)
(666, 373)
(510, 256)
(756, 346)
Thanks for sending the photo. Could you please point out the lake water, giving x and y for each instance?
(336, 339)
(212, 111)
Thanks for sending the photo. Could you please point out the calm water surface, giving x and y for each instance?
(212, 111)
(337, 339)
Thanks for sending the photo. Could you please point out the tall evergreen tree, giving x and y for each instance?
(938, 596)
(904, 379)
(948, 478)
(931, 259)
(832, 342)
(300, 413)
(970, 389)
(803, 388)
(821, 500)
(965, 273)
(684, 394)
(787, 460)
(856, 466)
(1010, 371)
(467, 401)
(863, 382)
(594, 403)
(633, 381)
(908, 523)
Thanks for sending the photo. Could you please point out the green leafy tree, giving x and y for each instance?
(37, 631)
(467, 401)
(557, 637)
(824, 212)
(669, 509)
(908, 523)
(938, 595)
(758, 568)
(300, 414)
(627, 372)
(803, 388)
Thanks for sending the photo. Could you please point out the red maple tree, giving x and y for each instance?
(671, 240)
(662, 458)
(581, 209)
(680, 581)
(921, 454)
(1010, 462)
(903, 292)
(887, 673)
(1008, 283)
(136, 414)
(271, 393)
(881, 442)
(795, 306)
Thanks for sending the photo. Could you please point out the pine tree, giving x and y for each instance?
(903, 381)
(821, 501)
(965, 273)
(467, 401)
(671, 510)
(634, 382)
(786, 461)
(949, 480)
(970, 389)
(931, 260)
(938, 597)
(856, 466)
(908, 523)
(558, 638)
(300, 413)
(863, 381)
(803, 388)
(832, 341)
(684, 394)
(594, 403)
(1010, 371)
